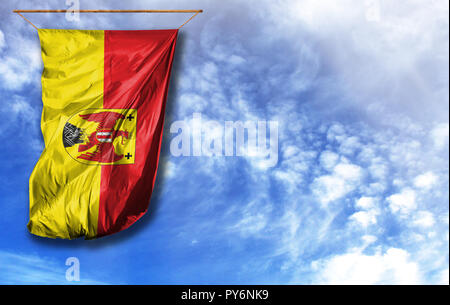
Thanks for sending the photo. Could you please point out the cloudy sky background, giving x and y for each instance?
(360, 193)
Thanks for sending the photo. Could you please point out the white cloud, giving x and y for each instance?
(2, 40)
(169, 168)
(378, 168)
(392, 267)
(21, 108)
(369, 213)
(365, 218)
(424, 219)
(21, 115)
(336, 133)
(350, 172)
(444, 277)
(328, 159)
(290, 151)
(398, 37)
(440, 135)
(368, 239)
(291, 178)
(403, 202)
(254, 218)
(19, 69)
(365, 203)
(344, 179)
(330, 188)
(426, 180)
(374, 188)
(349, 145)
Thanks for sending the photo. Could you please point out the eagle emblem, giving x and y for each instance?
(101, 136)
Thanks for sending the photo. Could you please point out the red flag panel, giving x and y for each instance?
(137, 67)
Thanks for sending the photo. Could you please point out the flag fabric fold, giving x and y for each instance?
(104, 96)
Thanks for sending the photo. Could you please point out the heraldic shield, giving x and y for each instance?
(101, 136)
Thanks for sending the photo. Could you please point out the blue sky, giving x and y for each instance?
(360, 192)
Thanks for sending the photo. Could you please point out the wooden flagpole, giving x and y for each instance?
(19, 12)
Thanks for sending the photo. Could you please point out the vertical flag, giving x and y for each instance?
(104, 96)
